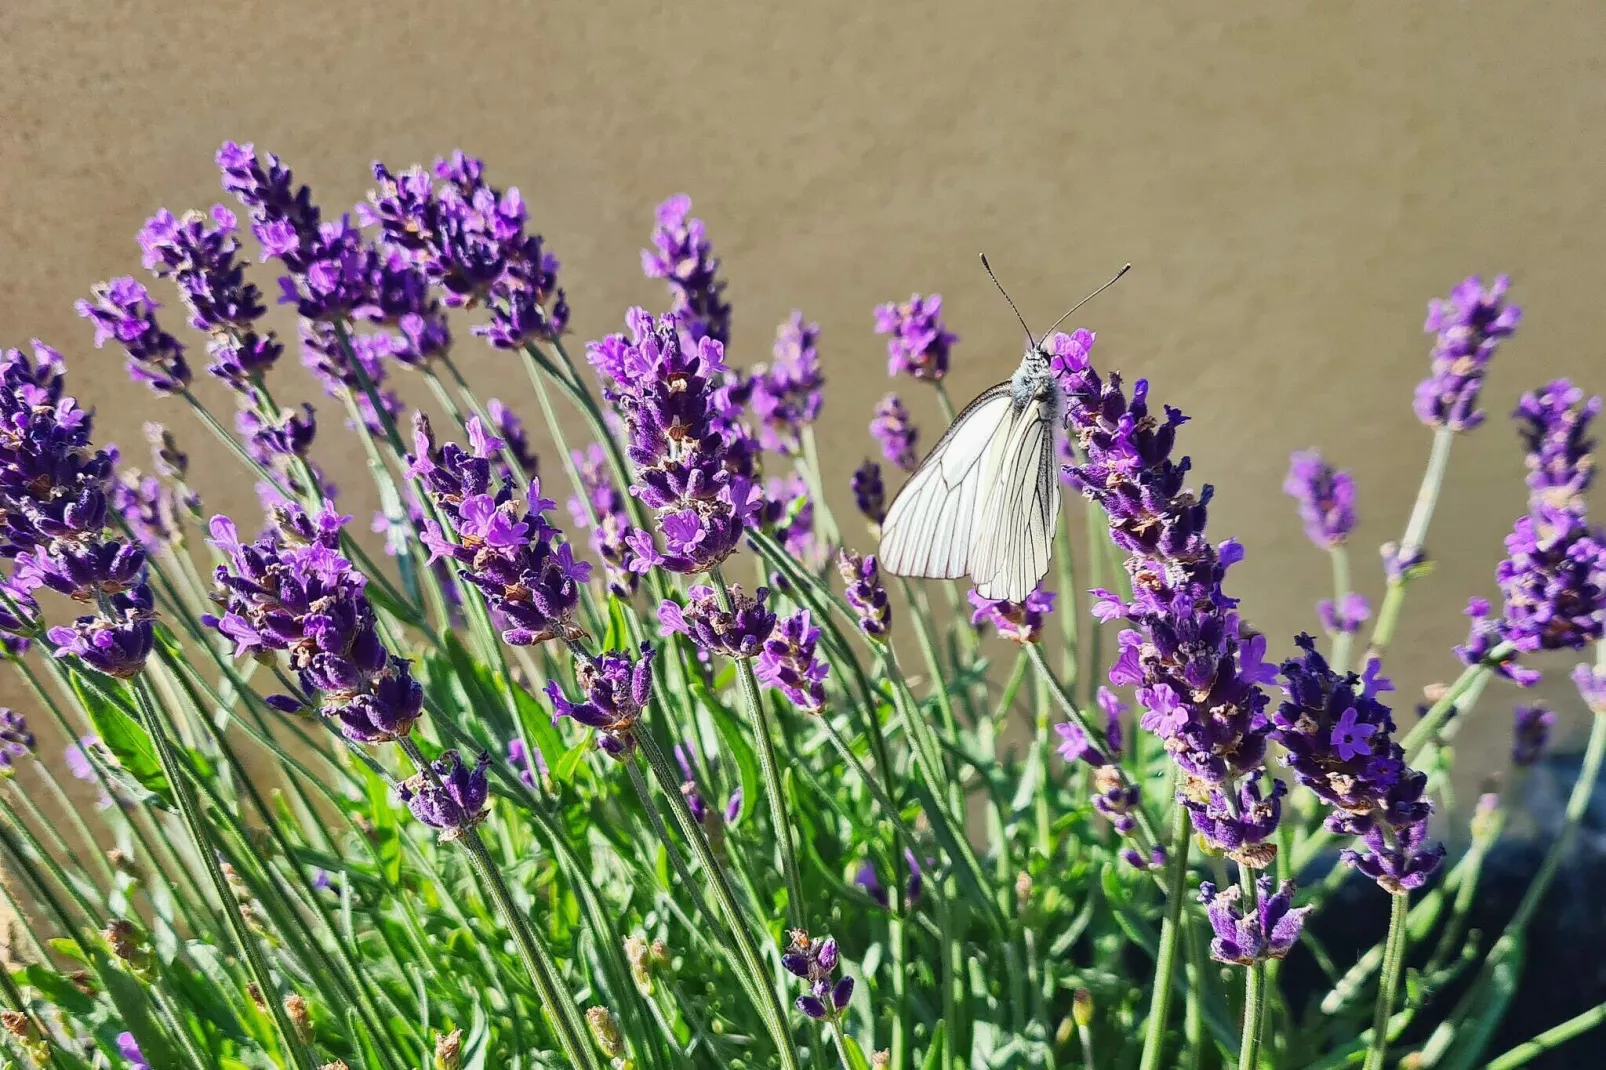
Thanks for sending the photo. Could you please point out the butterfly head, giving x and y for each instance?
(1034, 379)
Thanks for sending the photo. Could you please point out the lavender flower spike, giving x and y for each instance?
(1468, 326)
(1530, 733)
(739, 632)
(788, 392)
(919, 343)
(616, 691)
(15, 739)
(683, 256)
(1019, 622)
(892, 427)
(455, 799)
(865, 592)
(1554, 424)
(1269, 932)
(870, 494)
(1326, 498)
(123, 311)
(789, 665)
(816, 961)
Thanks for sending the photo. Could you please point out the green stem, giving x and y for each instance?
(1553, 1037)
(1254, 995)
(1165, 966)
(195, 824)
(770, 1006)
(1388, 983)
(1416, 529)
(1341, 586)
(771, 768)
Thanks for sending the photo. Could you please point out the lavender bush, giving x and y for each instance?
(417, 808)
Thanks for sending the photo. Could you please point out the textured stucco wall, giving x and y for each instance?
(1292, 180)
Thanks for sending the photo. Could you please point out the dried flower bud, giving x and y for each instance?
(128, 943)
(338, 1064)
(659, 953)
(1082, 1008)
(449, 1050)
(254, 990)
(1023, 890)
(639, 954)
(17, 1024)
(881, 1059)
(81, 980)
(605, 1030)
(295, 1008)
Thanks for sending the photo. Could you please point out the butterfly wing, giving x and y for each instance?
(931, 526)
(1020, 506)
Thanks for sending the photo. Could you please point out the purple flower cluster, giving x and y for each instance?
(507, 427)
(1468, 326)
(15, 739)
(292, 591)
(816, 961)
(870, 882)
(1198, 671)
(739, 632)
(787, 393)
(683, 256)
(897, 434)
(1019, 622)
(869, 493)
(1269, 931)
(789, 512)
(501, 542)
(1530, 734)
(1326, 498)
(1554, 424)
(1591, 683)
(1344, 617)
(615, 691)
(454, 799)
(918, 343)
(1339, 742)
(865, 592)
(788, 663)
(667, 394)
(55, 491)
(1553, 580)
(200, 253)
(468, 239)
(123, 312)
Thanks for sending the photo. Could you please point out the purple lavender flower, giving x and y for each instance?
(1554, 424)
(1554, 582)
(337, 364)
(1326, 498)
(201, 255)
(1338, 738)
(615, 690)
(1346, 617)
(116, 641)
(865, 592)
(15, 739)
(1019, 622)
(128, 1048)
(788, 392)
(892, 427)
(519, 757)
(503, 543)
(454, 801)
(1486, 634)
(683, 256)
(869, 493)
(789, 665)
(665, 392)
(19, 613)
(1469, 326)
(1269, 932)
(1242, 824)
(918, 342)
(739, 632)
(270, 440)
(149, 508)
(292, 591)
(122, 311)
(1530, 734)
(869, 883)
(1591, 687)
(610, 536)
(816, 961)
(789, 510)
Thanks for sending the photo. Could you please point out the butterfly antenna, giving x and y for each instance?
(1030, 341)
(1114, 279)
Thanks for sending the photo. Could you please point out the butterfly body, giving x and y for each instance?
(985, 501)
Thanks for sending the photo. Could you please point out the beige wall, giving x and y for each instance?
(1292, 181)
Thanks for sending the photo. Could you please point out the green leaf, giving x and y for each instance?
(617, 637)
(939, 1035)
(134, 1007)
(107, 702)
(564, 771)
(734, 735)
(856, 1058)
(56, 989)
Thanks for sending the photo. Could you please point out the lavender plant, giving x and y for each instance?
(382, 811)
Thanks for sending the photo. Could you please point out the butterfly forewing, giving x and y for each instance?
(932, 525)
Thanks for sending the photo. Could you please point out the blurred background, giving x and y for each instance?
(1293, 182)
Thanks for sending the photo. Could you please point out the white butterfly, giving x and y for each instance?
(985, 502)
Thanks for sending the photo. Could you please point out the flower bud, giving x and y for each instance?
(605, 1030)
(449, 1050)
(1082, 1008)
(295, 1008)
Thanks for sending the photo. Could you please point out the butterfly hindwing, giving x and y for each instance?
(1017, 516)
